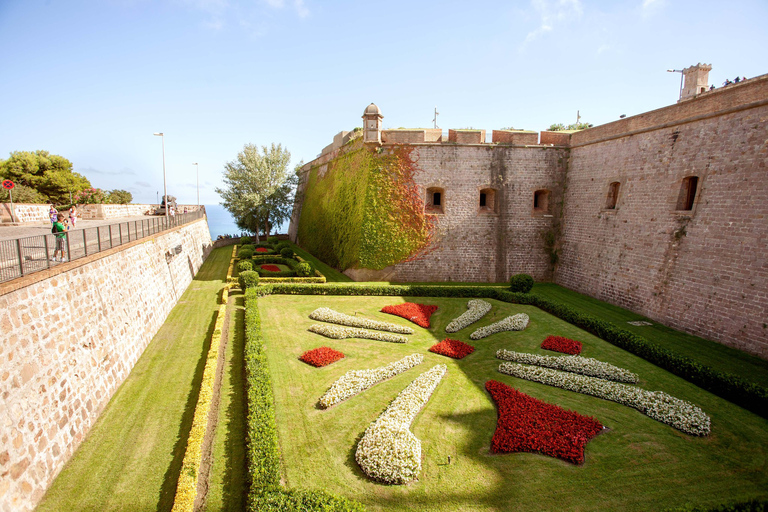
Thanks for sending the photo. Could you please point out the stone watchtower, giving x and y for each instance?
(696, 80)
(372, 124)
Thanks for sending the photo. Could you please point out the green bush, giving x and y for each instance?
(248, 279)
(244, 266)
(245, 240)
(245, 253)
(286, 252)
(282, 245)
(262, 450)
(304, 269)
(272, 240)
(520, 283)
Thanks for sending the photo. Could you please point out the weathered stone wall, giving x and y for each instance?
(492, 243)
(69, 337)
(703, 271)
(24, 213)
(34, 213)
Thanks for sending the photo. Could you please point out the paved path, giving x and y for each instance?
(44, 227)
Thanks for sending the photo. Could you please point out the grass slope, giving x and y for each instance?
(131, 458)
(639, 464)
(706, 352)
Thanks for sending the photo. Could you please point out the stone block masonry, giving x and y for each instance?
(69, 339)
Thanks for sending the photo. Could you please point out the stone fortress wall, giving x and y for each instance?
(703, 270)
(32, 213)
(69, 337)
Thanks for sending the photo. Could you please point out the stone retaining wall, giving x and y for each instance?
(70, 336)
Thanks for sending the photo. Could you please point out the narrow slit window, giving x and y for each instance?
(688, 191)
(487, 201)
(613, 196)
(541, 201)
(482, 200)
(434, 200)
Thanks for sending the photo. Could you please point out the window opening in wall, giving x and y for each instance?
(687, 193)
(434, 200)
(613, 196)
(482, 200)
(487, 200)
(541, 201)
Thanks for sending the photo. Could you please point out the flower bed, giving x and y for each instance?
(416, 313)
(516, 322)
(334, 317)
(357, 381)
(477, 309)
(321, 356)
(526, 424)
(452, 348)
(561, 344)
(658, 405)
(270, 268)
(339, 333)
(262, 249)
(573, 364)
(388, 450)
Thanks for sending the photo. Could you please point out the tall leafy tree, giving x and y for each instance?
(118, 196)
(258, 187)
(50, 175)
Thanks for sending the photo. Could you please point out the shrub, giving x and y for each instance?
(520, 283)
(286, 252)
(245, 253)
(245, 240)
(244, 266)
(282, 245)
(272, 240)
(249, 279)
(304, 269)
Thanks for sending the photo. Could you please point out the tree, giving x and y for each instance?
(258, 187)
(119, 197)
(50, 175)
(22, 194)
(558, 127)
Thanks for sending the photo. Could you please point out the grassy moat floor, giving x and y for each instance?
(130, 461)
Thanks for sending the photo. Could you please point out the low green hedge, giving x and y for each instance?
(264, 259)
(262, 450)
(733, 388)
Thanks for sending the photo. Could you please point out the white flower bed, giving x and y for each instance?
(658, 405)
(574, 364)
(339, 333)
(516, 322)
(357, 381)
(334, 317)
(388, 451)
(477, 310)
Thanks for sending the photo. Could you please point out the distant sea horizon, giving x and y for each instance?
(221, 222)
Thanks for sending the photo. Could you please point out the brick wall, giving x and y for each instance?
(25, 213)
(70, 336)
(475, 244)
(519, 138)
(703, 271)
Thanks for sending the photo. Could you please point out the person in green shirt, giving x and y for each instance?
(60, 232)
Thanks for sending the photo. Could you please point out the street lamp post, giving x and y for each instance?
(681, 80)
(197, 174)
(165, 188)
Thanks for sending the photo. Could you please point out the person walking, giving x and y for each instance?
(73, 216)
(52, 213)
(59, 230)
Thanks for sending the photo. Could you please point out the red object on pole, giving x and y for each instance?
(8, 184)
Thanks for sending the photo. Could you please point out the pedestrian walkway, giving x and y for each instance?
(132, 457)
(9, 232)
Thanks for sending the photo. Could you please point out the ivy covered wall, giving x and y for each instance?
(364, 210)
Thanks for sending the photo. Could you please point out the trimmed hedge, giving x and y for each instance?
(248, 279)
(520, 283)
(733, 388)
(262, 450)
(244, 265)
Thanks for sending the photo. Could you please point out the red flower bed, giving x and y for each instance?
(416, 313)
(270, 268)
(262, 249)
(321, 356)
(526, 424)
(452, 348)
(561, 344)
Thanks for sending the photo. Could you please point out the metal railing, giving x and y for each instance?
(22, 256)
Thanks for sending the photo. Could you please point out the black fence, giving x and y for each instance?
(22, 256)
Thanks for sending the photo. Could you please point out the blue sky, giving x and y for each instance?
(92, 80)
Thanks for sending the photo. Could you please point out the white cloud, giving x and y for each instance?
(650, 7)
(553, 13)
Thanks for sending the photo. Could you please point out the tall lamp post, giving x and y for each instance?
(197, 174)
(165, 188)
(681, 80)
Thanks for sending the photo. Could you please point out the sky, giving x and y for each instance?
(93, 80)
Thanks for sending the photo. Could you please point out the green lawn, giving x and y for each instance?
(710, 353)
(131, 458)
(227, 488)
(639, 464)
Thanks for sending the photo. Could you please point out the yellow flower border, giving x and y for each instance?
(186, 489)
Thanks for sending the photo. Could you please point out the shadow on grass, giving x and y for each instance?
(234, 480)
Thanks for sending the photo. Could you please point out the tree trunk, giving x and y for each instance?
(266, 226)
